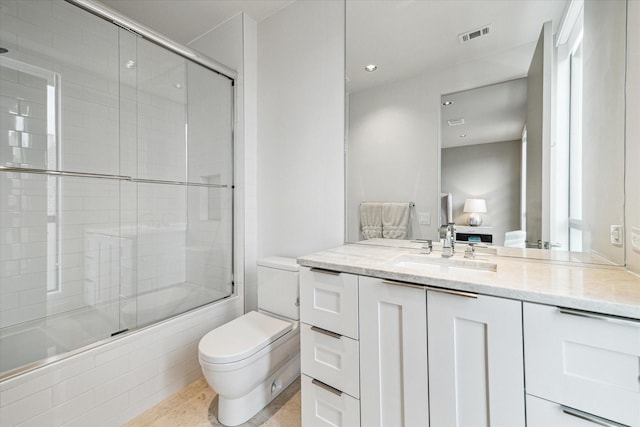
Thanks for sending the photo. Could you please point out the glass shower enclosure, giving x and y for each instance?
(116, 182)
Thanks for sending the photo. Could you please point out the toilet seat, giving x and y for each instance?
(241, 338)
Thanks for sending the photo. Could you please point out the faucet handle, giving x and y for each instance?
(470, 252)
(428, 245)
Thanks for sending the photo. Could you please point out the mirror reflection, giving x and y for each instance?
(519, 105)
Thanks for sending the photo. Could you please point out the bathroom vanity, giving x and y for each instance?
(395, 337)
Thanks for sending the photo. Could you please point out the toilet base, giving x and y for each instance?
(232, 412)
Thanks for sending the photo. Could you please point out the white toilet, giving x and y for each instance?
(250, 360)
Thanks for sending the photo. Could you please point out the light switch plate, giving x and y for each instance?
(424, 218)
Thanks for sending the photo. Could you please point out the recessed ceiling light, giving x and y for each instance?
(464, 135)
(371, 68)
(130, 64)
(445, 103)
(177, 86)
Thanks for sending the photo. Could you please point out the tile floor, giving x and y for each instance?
(197, 406)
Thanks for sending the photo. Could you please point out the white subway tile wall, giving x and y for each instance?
(45, 261)
(55, 45)
(23, 266)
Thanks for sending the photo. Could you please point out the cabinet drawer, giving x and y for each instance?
(584, 361)
(542, 413)
(330, 358)
(321, 406)
(329, 300)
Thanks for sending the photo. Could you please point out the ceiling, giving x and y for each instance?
(404, 38)
(186, 20)
(407, 38)
(491, 114)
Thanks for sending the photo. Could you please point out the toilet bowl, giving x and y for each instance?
(250, 360)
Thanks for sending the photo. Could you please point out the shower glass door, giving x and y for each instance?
(116, 177)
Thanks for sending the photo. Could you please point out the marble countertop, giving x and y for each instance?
(590, 287)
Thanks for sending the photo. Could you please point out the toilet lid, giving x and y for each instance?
(241, 337)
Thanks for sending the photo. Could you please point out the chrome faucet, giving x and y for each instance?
(428, 246)
(448, 243)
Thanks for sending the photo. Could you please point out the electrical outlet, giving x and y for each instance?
(424, 218)
(635, 238)
(616, 235)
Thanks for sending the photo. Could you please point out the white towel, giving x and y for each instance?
(395, 219)
(371, 220)
(515, 239)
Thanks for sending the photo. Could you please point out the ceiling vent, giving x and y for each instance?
(456, 122)
(473, 34)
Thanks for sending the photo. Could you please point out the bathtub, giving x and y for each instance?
(152, 306)
(44, 340)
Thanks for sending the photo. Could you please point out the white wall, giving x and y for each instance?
(603, 125)
(301, 129)
(632, 201)
(488, 171)
(402, 143)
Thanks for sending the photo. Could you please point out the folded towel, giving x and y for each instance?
(395, 220)
(515, 239)
(371, 220)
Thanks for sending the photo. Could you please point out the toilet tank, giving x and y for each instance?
(278, 289)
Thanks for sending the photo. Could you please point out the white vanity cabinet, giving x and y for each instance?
(329, 354)
(379, 352)
(543, 413)
(393, 354)
(585, 363)
(476, 368)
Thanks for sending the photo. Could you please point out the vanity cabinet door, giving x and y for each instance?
(542, 413)
(475, 360)
(330, 358)
(325, 406)
(329, 300)
(584, 360)
(393, 354)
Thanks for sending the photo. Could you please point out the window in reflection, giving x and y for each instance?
(568, 150)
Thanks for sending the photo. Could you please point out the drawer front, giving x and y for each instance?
(330, 358)
(329, 300)
(542, 413)
(323, 407)
(590, 363)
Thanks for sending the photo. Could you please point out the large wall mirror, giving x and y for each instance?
(518, 104)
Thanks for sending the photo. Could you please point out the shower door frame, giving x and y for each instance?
(140, 30)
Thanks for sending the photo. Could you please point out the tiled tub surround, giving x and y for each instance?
(590, 287)
(111, 216)
(112, 383)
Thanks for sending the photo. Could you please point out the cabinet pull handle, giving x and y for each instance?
(453, 292)
(405, 284)
(325, 332)
(326, 387)
(612, 319)
(323, 271)
(591, 418)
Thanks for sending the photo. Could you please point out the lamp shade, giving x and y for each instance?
(475, 206)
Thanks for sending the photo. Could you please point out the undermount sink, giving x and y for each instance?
(434, 262)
